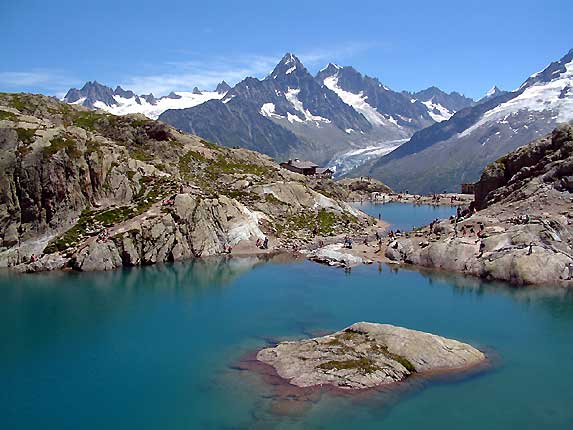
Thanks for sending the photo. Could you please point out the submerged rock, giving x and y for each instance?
(367, 355)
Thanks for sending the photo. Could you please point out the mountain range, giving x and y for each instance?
(338, 117)
(446, 154)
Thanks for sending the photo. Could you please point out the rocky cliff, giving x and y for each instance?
(94, 191)
(523, 230)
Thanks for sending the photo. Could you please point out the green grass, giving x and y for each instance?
(26, 135)
(92, 146)
(242, 196)
(62, 143)
(364, 365)
(88, 120)
(19, 102)
(7, 116)
(224, 165)
(270, 198)
(77, 233)
(324, 222)
(211, 145)
(141, 155)
(113, 216)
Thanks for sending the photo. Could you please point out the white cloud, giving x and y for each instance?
(208, 72)
(204, 72)
(54, 82)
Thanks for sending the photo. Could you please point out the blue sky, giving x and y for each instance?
(468, 46)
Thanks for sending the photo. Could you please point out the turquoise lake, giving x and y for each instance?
(405, 216)
(157, 347)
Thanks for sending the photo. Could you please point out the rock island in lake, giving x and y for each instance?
(367, 355)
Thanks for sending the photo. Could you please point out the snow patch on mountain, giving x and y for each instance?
(358, 102)
(130, 105)
(555, 96)
(438, 112)
(292, 96)
(268, 110)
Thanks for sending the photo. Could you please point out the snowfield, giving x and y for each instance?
(555, 96)
(126, 106)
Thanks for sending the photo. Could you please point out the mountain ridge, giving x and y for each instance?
(289, 113)
(442, 156)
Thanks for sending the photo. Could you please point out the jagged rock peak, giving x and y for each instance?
(492, 93)
(123, 93)
(172, 95)
(91, 92)
(330, 69)
(223, 87)
(288, 64)
(553, 71)
(196, 91)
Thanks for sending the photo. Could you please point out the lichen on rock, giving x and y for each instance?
(367, 355)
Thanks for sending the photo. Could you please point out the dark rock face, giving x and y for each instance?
(453, 101)
(172, 95)
(150, 98)
(261, 134)
(93, 92)
(385, 101)
(196, 91)
(246, 126)
(550, 158)
(223, 87)
(123, 93)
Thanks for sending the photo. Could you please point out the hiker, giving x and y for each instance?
(530, 251)
(481, 249)
(266, 243)
(259, 243)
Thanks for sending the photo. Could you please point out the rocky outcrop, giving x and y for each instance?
(523, 232)
(335, 255)
(547, 161)
(367, 355)
(94, 191)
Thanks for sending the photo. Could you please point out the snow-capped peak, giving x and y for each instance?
(288, 64)
(492, 91)
(554, 71)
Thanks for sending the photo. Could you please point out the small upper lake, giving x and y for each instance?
(405, 216)
(157, 347)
